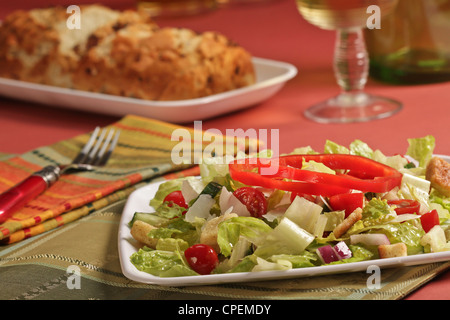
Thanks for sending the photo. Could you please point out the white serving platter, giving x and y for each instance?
(139, 201)
(271, 76)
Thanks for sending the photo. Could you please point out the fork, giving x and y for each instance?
(94, 153)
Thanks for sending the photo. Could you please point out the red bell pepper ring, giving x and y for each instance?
(378, 178)
(404, 206)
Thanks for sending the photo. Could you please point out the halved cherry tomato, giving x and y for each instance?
(176, 197)
(405, 206)
(347, 202)
(201, 258)
(429, 220)
(253, 199)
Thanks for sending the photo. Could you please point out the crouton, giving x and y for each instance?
(211, 228)
(392, 250)
(139, 231)
(347, 223)
(438, 173)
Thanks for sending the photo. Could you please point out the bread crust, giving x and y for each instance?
(140, 230)
(392, 250)
(120, 53)
(438, 173)
(343, 227)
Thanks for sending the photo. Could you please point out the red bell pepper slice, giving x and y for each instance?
(347, 202)
(429, 220)
(378, 177)
(405, 206)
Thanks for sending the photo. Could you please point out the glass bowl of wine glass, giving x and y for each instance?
(351, 61)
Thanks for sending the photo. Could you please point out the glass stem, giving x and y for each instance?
(351, 60)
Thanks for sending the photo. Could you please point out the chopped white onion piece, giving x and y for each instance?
(319, 227)
(201, 208)
(188, 191)
(227, 200)
(292, 236)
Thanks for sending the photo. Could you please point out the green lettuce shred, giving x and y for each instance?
(421, 149)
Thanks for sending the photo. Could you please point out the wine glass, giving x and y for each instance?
(351, 61)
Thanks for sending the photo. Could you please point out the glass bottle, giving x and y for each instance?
(412, 45)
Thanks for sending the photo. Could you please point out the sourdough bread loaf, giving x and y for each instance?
(120, 53)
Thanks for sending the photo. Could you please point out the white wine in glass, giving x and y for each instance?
(351, 61)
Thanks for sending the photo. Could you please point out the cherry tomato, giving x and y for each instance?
(253, 199)
(347, 202)
(177, 198)
(202, 258)
(405, 206)
(429, 220)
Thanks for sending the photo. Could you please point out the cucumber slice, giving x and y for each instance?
(211, 189)
(150, 218)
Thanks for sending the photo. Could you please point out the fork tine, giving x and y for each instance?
(85, 150)
(104, 158)
(102, 150)
(93, 152)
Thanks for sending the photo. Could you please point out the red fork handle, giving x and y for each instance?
(19, 195)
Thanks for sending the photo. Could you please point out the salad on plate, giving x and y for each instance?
(342, 205)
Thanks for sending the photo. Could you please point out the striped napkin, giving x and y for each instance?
(143, 153)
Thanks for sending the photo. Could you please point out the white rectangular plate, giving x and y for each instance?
(139, 201)
(270, 78)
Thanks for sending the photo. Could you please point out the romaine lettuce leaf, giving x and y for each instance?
(397, 162)
(252, 229)
(316, 167)
(297, 261)
(359, 148)
(180, 229)
(163, 190)
(286, 238)
(170, 211)
(333, 147)
(161, 263)
(377, 211)
(415, 188)
(216, 168)
(171, 244)
(303, 150)
(246, 265)
(435, 240)
(421, 149)
(406, 232)
(441, 204)
(264, 265)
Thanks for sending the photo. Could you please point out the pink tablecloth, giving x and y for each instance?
(272, 30)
